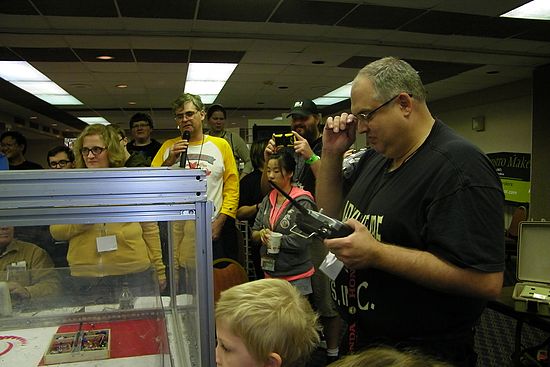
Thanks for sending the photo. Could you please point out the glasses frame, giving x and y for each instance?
(95, 151)
(61, 163)
(137, 126)
(367, 117)
(186, 115)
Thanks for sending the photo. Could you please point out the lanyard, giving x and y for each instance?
(275, 212)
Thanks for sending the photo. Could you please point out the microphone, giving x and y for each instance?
(186, 135)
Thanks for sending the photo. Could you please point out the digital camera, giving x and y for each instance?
(284, 140)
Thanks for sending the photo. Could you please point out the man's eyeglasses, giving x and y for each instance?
(187, 115)
(94, 150)
(62, 163)
(137, 126)
(369, 115)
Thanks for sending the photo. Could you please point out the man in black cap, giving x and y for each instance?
(308, 142)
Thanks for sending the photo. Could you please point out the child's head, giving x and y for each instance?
(388, 357)
(264, 323)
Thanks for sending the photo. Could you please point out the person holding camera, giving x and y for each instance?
(307, 144)
(426, 207)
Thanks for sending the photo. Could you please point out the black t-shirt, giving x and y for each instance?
(26, 165)
(304, 174)
(250, 192)
(149, 150)
(447, 200)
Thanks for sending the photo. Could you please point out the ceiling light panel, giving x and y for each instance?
(20, 71)
(94, 120)
(536, 9)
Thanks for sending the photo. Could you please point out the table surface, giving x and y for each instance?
(505, 305)
(26, 347)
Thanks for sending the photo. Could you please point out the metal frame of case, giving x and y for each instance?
(84, 196)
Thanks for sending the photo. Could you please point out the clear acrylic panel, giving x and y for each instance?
(111, 266)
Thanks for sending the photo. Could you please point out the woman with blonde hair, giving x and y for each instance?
(106, 255)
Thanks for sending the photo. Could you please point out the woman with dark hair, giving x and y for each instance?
(277, 215)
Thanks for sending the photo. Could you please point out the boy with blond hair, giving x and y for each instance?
(265, 323)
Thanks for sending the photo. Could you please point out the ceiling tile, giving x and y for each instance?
(216, 56)
(310, 12)
(242, 10)
(179, 9)
(379, 17)
(161, 56)
(429, 71)
(91, 54)
(17, 7)
(439, 22)
(96, 8)
(45, 54)
(7, 55)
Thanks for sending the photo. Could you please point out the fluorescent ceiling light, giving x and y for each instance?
(25, 76)
(338, 95)
(536, 9)
(94, 120)
(210, 71)
(327, 101)
(41, 87)
(342, 92)
(278, 118)
(208, 98)
(203, 87)
(207, 79)
(59, 100)
(20, 71)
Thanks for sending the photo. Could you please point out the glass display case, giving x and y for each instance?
(112, 266)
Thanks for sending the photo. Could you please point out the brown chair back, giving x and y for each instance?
(227, 273)
(520, 215)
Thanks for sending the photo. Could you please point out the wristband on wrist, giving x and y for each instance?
(314, 158)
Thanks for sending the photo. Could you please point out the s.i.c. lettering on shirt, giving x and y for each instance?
(351, 296)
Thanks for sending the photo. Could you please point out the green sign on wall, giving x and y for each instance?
(514, 170)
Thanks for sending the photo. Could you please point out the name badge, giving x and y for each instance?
(268, 263)
(106, 243)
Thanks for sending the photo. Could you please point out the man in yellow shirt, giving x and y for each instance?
(214, 156)
(27, 268)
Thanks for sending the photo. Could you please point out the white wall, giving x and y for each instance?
(507, 111)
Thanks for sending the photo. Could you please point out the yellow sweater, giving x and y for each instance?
(138, 246)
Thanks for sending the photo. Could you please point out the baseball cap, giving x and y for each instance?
(304, 107)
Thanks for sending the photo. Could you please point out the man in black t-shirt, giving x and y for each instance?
(141, 126)
(308, 143)
(14, 147)
(426, 208)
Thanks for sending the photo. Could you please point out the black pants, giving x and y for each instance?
(227, 244)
